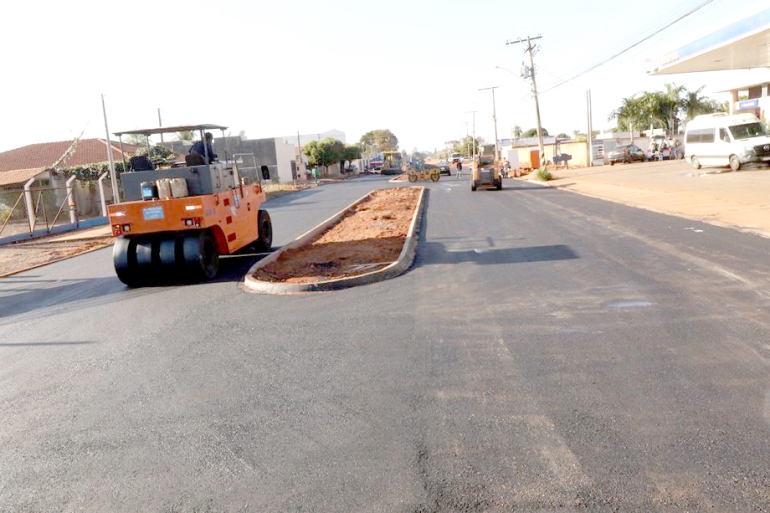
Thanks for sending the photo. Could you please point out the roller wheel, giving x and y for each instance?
(170, 255)
(124, 258)
(144, 259)
(201, 258)
(412, 177)
(265, 240)
(735, 163)
(499, 184)
(435, 176)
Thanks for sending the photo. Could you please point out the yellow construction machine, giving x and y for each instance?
(486, 174)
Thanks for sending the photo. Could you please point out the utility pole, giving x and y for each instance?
(115, 193)
(160, 124)
(474, 130)
(527, 73)
(466, 138)
(494, 118)
(589, 136)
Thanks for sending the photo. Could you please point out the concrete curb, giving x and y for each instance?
(404, 261)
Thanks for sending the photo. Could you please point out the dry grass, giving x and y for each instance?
(279, 189)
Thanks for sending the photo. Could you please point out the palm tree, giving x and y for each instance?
(693, 105)
(667, 109)
(672, 104)
(630, 113)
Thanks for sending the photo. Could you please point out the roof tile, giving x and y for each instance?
(87, 151)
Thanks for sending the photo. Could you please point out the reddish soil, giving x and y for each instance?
(368, 238)
(21, 256)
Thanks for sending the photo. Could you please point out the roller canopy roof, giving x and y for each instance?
(171, 129)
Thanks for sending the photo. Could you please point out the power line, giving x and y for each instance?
(618, 54)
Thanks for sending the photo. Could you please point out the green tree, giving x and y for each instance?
(694, 105)
(378, 141)
(158, 154)
(350, 153)
(667, 109)
(324, 153)
(630, 113)
(532, 132)
(185, 136)
(137, 139)
(466, 146)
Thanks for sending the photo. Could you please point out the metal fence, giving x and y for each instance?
(40, 210)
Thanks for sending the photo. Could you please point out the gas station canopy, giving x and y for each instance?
(741, 45)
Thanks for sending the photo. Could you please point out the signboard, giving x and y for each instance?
(748, 104)
(151, 213)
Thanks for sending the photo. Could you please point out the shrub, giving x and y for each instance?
(543, 174)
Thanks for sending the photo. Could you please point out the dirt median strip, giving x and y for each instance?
(371, 239)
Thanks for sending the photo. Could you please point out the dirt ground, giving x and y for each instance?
(368, 238)
(22, 256)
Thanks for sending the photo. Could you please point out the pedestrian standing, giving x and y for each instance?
(459, 169)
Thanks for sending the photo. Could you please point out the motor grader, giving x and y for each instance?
(176, 219)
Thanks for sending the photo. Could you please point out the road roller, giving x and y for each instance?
(177, 218)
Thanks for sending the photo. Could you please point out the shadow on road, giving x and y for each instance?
(436, 253)
(19, 299)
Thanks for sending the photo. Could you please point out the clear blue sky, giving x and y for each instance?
(274, 68)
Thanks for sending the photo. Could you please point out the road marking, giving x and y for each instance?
(767, 406)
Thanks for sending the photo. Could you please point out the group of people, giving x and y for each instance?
(665, 149)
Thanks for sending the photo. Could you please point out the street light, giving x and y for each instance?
(467, 150)
(474, 131)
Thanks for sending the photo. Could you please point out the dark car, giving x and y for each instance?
(626, 153)
(445, 170)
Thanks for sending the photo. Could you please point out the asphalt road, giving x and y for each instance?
(547, 352)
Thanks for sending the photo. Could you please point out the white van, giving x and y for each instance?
(726, 140)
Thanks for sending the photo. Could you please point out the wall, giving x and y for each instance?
(263, 149)
(277, 154)
(578, 150)
(285, 153)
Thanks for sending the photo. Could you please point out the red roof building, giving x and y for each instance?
(17, 166)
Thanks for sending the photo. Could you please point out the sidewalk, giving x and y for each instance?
(96, 232)
(713, 195)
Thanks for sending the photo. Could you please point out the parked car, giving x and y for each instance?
(445, 170)
(626, 153)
